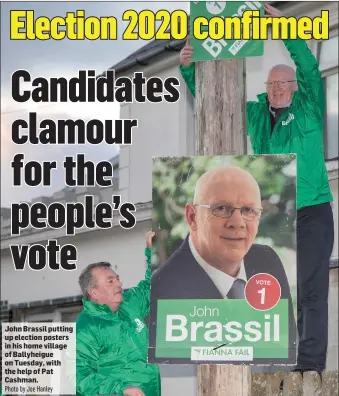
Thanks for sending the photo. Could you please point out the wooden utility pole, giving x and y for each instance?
(221, 129)
(220, 108)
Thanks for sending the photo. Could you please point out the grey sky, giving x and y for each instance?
(58, 58)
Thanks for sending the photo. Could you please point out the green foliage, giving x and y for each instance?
(174, 181)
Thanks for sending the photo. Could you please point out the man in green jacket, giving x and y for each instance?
(288, 118)
(112, 337)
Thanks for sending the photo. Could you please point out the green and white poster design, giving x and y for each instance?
(210, 49)
(223, 287)
(221, 330)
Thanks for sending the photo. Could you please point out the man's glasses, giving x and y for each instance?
(279, 82)
(225, 211)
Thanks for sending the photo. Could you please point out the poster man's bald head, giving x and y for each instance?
(230, 175)
(224, 230)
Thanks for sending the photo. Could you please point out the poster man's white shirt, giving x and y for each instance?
(221, 280)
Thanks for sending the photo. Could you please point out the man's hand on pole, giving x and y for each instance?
(149, 237)
(133, 391)
(186, 53)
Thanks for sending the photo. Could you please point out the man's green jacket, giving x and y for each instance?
(299, 130)
(112, 347)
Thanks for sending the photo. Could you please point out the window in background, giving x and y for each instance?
(70, 317)
(45, 317)
(328, 53)
(331, 126)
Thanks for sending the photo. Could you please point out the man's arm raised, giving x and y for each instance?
(140, 294)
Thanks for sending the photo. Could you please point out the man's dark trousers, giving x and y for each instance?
(315, 238)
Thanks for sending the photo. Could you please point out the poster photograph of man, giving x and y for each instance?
(223, 286)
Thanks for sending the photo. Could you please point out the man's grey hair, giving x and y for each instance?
(86, 278)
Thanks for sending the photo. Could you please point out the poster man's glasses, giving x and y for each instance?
(226, 211)
(283, 83)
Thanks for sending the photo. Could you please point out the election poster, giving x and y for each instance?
(218, 32)
(223, 286)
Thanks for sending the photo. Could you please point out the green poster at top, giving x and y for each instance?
(212, 49)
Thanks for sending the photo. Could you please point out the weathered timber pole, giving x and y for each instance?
(220, 107)
(221, 129)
